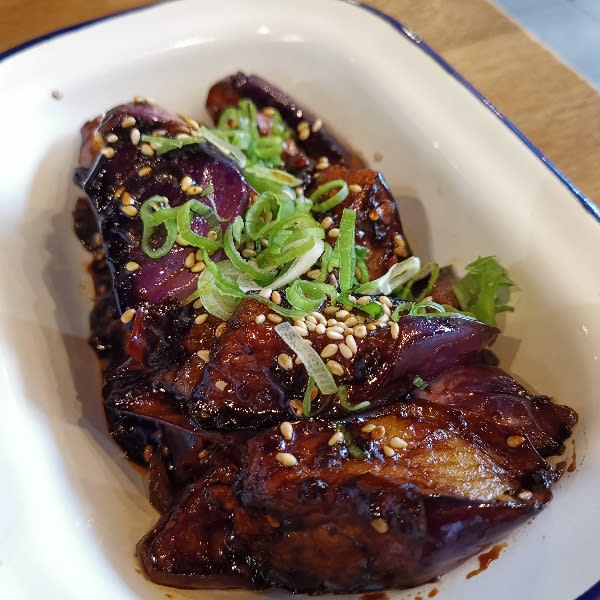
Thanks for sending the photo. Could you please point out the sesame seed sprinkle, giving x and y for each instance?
(355, 188)
(274, 318)
(285, 361)
(377, 432)
(398, 443)
(135, 136)
(320, 329)
(335, 368)
(329, 351)
(132, 266)
(197, 304)
(345, 351)
(198, 267)
(259, 319)
(147, 149)
(201, 318)
(111, 138)
(287, 431)
(130, 211)
(333, 233)
(394, 330)
(220, 328)
(514, 441)
(326, 223)
(389, 452)
(143, 171)
(212, 235)
(525, 495)
(204, 355)
(304, 135)
(380, 526)
(128, 315)
(221, 385)
(286, 459)
(368, 427)
(336, 438)
(108, 152)
(127, 121)
(185, 183)
(351, 343)
(334, 335)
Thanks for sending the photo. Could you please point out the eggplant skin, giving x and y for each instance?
(334, 522)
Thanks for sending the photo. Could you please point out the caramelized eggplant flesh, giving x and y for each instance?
(244, 384)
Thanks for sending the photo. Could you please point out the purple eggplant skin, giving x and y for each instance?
(491, 392)
(258, 390)
(321, 142)
(109, 181)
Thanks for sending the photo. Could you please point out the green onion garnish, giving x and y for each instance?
(354, 450)
(345, 247)
(397, 275)
(306, 401)
(334, 200)
(343, 398)
(420, 383)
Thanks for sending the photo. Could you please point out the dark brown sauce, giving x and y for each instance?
(573, 464)
(486, 559)
(433, 592)
(375, 596)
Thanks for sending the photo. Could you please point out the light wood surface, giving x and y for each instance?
(551, 104)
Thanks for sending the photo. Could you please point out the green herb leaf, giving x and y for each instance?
(420, 383)
(484, 290)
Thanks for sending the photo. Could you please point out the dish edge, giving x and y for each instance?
(592, 593)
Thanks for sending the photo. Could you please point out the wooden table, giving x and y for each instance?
(551, 104)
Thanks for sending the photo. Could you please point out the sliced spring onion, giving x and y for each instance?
(354, 450)
(150, 222)
(419, 382)
(262, 276)
(275, 206)
(343, 398)
(308, 296)
(213, 301)
(300, 266)
(333, 201)
(310, 358)
(373, 309)
(386, 284)
(264, 179)
(345, 247)
(306, 401)
(406, 292)
(184, 225)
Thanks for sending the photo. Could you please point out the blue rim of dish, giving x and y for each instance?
(594, 592)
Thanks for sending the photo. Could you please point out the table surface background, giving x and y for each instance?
(551, 104)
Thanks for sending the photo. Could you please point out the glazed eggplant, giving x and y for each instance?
(401, 453)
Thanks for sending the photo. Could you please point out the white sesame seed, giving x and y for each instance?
(201, 318)
(191, 122)
(351, 343)
(334, 335)
(368, 427)
(128, 121)
(198, 267)
(514, 441)
(265, 293)
(364, 300)
(286, 459)
(317, 125)
(336, 438)
(310, 326)
(314, 273)
(303, 125)
(287, 431)
(389, 452)
(354, 187)
(132, 266)
(297, 407)
(221, 385)
(119, 191)
(147, 149)
(329, 351)
(204, 355)
(108, 152)
(320, 329)
(338, 328)
(276, 297)
(128, 315)
(185, 183)
(285, 361)
(311, 319)
(130, 211)
(143, 171)
(342, 314)
(194, 190)
(197, 304)
(326, 223)
(127, 199)
(385, 301)
(248, 253)
(398, 443)
(369, 326)
(394, 330)
(212, 235)
(333, 233)
(111, 138)
(525, 495)
(330, 310)
(322, 165)
(335, 368)
(220, 328)
(345, 351)
(380, 526)
(351, 321)
(304, 135)
(301, 331)
(190, 260)
(134, 136)
(319, 317)
(259, 319)
(274, 318)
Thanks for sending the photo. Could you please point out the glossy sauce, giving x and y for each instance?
(486, 559)
(573, 464)
(433, 592)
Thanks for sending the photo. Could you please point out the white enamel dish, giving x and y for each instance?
(467, 184)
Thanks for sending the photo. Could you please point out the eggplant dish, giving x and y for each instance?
(317, 409)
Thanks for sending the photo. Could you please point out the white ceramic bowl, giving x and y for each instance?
(467, 183)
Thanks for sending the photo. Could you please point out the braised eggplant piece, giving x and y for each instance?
(319, 142)
(246, 383)
(378, 225)
(124, 174)
(490, 392)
